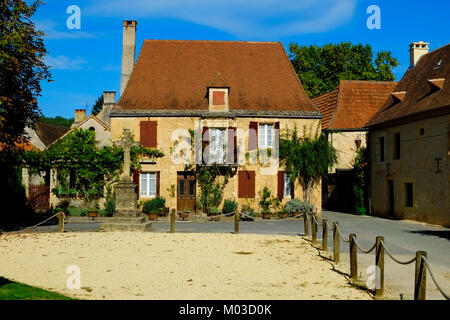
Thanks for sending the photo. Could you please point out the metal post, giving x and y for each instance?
(60, 222)
(420, 287)
(236, 223)
(336, 244)
(353, 257)
(314, 229)
(305, 217)
(325, 235)
(172, 221)
(379, 263)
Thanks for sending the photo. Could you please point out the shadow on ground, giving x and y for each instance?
(445, 234)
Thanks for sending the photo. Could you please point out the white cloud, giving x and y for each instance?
(249, 18)
(52, 33)
(64, 63)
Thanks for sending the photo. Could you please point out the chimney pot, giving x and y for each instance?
(80, 115)
(128, 51)
(416, 51)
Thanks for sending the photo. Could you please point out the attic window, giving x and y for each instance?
(218, 99)
(397, 97)
(438, 64)
(436, 84)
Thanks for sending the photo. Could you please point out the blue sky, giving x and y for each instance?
(87, 61)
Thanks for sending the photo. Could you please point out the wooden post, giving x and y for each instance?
(305, 218)
(353, 257)
(61, 222)
(336, 245)
(236, 223)
(314, 229)
(420, 287)
(325, 235)
(172, 221)
(379, 263)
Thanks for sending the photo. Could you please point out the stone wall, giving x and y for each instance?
(168, 169)
(417, 165)
(344, 143)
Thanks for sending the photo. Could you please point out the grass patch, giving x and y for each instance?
(10, 290)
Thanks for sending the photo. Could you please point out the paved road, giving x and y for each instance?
(403, 238)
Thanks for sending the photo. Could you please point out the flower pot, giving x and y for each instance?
(283, 215)
(266, 215)
(183, 215)
(92, 214)
(163, 212)
(153, 216)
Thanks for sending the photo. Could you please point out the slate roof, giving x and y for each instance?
(353, 103)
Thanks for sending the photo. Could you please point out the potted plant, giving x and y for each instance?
(152, 207)
(266, 202)
(229, 207)
(214, 212)
(282, 214)
(93, 210)
(247, 213)
(296, 207)
(184, 214)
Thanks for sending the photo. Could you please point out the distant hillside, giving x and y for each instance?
(58, 120)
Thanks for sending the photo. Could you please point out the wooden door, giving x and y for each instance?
(186, 192)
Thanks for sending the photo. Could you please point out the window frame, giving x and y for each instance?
(212, 148)
(287, 186)
(409, 195)
(147, 184)
(265, 135)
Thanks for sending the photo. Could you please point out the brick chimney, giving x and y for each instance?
(128, 51)
(416, 51)
(80, 115)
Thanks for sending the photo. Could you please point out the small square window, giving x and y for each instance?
(218, 98)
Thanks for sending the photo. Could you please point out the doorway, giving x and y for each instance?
(391, 198)
(186, 192)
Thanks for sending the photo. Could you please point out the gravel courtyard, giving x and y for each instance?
(139, 265)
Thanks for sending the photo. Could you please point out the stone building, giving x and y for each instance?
(346, 111)
(410, 142)
(232, 97)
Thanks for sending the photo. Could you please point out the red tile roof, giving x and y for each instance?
(175, 74)
(353, 103)
(422, 98)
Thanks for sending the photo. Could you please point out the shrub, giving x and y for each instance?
(295, 205)
(153, 205)
(110, 207)
(229, 206)
(76, 212)
(214, 211)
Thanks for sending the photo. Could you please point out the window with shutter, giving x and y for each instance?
(148, 133)
(253, 136)
(246, 184)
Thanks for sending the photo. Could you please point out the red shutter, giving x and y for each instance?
(157, 184)
(246, 184)
(136, 181)
(231, 146)
(280, 184)
(148, 134)
(253, 136)
(205, 141)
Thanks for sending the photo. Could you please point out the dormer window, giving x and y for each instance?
(218, 99)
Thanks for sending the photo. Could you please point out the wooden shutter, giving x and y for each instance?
(253, 136)
(231, 146)
(277, 125)
(148, 134)
(205, 142)
(157, 184)
(136, 181)
(280, 184)
(246, 184)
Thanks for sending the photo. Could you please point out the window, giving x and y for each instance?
(217, 145)
(287, 187)
(397, 146)
(381, 149)
(218, 98)
(148, 185)
(409, 194)
(148, 133)
(265, 136)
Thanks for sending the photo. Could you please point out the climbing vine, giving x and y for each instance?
(360, 174)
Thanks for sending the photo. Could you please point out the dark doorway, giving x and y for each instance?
(186, 191)
(391, 198)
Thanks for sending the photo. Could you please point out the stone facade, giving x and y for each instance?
(345, 143)
(422, 142)
(168, 129)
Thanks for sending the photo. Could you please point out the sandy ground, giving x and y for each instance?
(138, 265)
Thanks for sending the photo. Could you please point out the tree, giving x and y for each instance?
(58, 120)
(306, 158)
(98, 105)
(321, 68)
(22, 68)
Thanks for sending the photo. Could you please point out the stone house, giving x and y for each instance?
(410, 142)
(221, 103)
(346, 111)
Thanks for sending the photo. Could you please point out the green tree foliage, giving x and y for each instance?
(98, 105)
(321, 68)
(58, 121)
(307, 158)
(93, 167)
(360, 174)
(22, 68)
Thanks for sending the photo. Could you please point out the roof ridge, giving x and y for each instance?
(214, 41)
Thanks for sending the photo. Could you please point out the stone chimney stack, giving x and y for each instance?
(416, 51)
(109, 100)
(109, 97)
(80, 115)
(128, 51)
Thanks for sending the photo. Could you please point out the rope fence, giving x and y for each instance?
(60, 216)
(421, 267)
